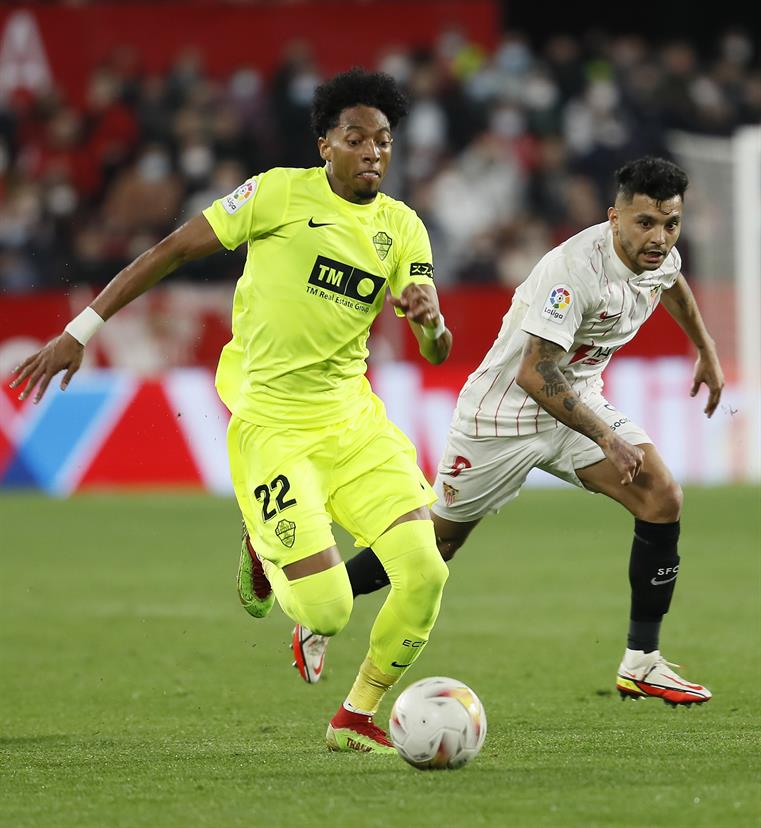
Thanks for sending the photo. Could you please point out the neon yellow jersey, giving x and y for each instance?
(315, 279)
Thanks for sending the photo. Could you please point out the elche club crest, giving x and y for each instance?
(382, 243)
(286, 531)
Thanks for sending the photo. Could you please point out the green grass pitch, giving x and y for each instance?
(134, 690)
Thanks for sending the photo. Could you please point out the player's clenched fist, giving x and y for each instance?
(419, 303)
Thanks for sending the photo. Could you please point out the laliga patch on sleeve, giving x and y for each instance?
(557, 304)
(421, 269)
(239, 197)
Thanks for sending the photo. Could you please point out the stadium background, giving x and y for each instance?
(134, 691)
(109, 137)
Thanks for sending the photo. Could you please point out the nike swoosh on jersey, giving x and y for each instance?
(395, 664)
(313, 223)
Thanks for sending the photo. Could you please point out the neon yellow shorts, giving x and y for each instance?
(292, 483)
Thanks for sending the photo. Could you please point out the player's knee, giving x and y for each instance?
(323, 601)
(415, 569)
(448, 547)
(421, 581)
(450, 535)
(664, 505)
(329, 619)
(676, 499)
(437, 573)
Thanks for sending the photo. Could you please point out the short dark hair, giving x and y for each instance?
(357, 87)
(654, 177)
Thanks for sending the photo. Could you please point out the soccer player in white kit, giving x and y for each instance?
(536, 401)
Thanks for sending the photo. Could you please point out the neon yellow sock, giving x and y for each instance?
(281, 586)
(369, 688)
(322, 601)
(417, 573)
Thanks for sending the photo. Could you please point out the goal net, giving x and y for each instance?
(723, 265)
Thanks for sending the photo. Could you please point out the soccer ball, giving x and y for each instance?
(438, 723)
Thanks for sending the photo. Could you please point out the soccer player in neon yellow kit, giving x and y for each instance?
(308, 440)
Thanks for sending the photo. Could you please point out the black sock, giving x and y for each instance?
(653, 568)
(366, 572)
(643, 635)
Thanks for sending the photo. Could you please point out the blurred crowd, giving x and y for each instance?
(503, 155)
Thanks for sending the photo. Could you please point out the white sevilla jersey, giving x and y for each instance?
(580, 296)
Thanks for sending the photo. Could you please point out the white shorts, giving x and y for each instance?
(479, 475)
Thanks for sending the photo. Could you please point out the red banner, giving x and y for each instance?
(181, 326)
(67, 42)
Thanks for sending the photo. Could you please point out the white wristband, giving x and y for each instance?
(85, 326)
(435, 331)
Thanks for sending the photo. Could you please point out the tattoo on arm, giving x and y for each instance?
(547, 367)
(577, 415)
(570, 403)
(552, 388)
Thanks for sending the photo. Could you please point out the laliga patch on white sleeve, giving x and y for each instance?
(239, 197)
(557, 304)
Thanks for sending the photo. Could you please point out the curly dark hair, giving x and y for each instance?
(654, 177)
(354, 88)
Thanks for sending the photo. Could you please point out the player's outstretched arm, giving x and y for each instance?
(421, 307)
(680, 302)
(539, 375)
(194, 240)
